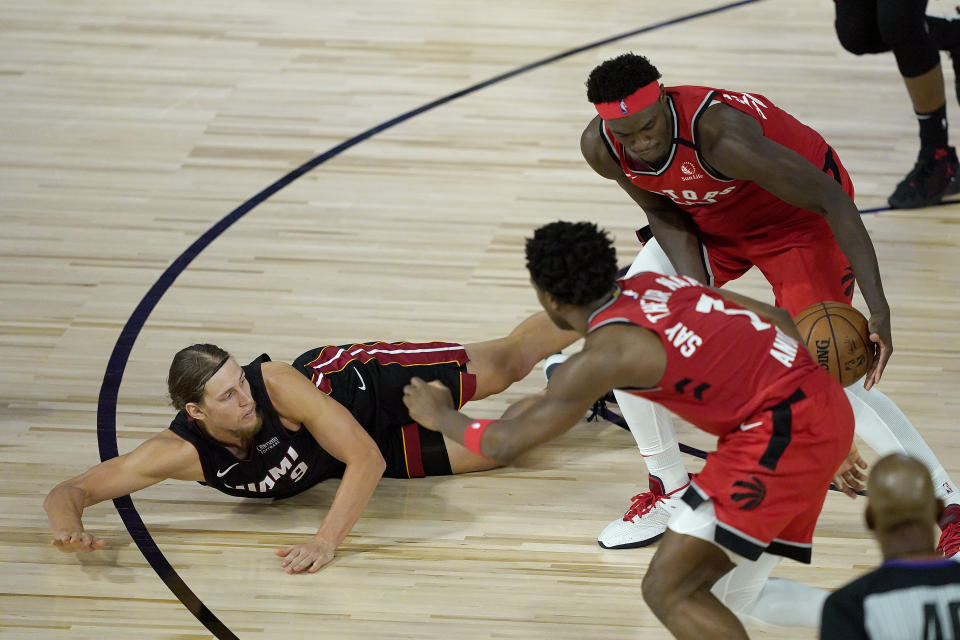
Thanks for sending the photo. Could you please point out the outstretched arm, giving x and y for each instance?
(613, 357)
(336, 430)
(163, 456)
(734, 143)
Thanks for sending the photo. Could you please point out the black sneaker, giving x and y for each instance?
(933, 177)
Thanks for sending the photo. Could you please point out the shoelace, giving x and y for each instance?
(642, 504)
(950, 539)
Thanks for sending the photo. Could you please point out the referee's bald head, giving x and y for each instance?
(900, 493)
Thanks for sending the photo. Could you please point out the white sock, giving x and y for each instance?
(750, 592)
(652, 428)
(651, 424)
(885, 429)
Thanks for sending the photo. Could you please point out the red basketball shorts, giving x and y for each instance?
(769, 476)
(804, 265)
(799, 257)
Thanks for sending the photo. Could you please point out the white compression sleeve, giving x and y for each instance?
(885, 429)
(652, 428)
(651, 424)
(750, 592)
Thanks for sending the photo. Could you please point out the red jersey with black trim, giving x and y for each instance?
(724, 362)
(722, 206)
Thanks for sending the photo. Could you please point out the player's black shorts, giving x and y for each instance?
(368, 379)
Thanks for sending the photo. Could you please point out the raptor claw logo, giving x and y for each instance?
(755, 492)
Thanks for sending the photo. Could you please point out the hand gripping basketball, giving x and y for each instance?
(839, 339)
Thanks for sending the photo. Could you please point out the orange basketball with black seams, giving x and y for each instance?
(838, 339)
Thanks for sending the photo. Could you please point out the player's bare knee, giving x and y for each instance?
(512, 365)
(659, 592)
(518, 368)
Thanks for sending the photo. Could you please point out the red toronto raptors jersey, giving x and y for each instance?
(719, 205)
(724, 362)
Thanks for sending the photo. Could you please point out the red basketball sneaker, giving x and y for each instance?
(950, 531)
(933, 177)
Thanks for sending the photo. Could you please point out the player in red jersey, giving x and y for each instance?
(730, 365)
(729, 181)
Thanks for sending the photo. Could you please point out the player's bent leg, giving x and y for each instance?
(904, 26)
(750, 592)
(885, 429)
(646, 519)
(462, 460)
(501, 362)
(747, 589)
(677, 587)
(652, 427)
(651, 258)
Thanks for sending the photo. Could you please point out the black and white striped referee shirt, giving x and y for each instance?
(901, 600)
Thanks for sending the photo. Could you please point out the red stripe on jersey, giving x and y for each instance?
(332, 359)
(468, 388)
(412, 455)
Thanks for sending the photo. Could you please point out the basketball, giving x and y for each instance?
(838, 339)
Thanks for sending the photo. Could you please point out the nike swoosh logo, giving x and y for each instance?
(363, 385)
(220, 474)
(747, 427)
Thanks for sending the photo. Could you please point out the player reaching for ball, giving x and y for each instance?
(730, 365)
(838, 338)
(729, 181)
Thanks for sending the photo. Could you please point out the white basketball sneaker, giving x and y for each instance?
(645, 521)
(551, 362)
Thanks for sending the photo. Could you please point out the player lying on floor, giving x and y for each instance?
(272, 430)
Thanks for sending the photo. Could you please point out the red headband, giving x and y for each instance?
(636, 101)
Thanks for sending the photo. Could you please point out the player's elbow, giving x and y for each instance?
(375, 460)
(366, 461)
(500, 448)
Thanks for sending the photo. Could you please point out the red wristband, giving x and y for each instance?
(473, 434)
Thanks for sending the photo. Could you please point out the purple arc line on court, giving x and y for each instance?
(113, 376)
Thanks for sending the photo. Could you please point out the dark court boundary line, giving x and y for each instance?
(943, 203)
(113, 376)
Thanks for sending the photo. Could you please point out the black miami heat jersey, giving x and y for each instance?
(282, 463)
(368, 380)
